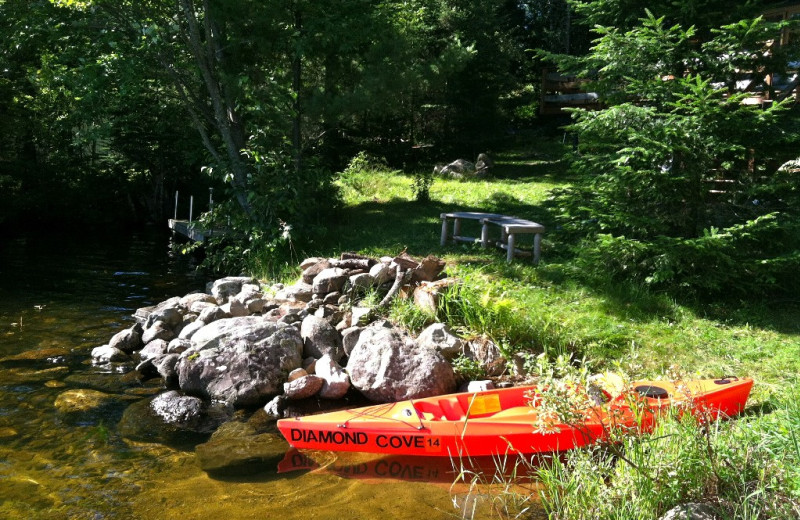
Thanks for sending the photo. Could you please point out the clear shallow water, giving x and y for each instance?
(63, 294)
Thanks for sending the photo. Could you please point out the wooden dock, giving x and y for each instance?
(187, 229)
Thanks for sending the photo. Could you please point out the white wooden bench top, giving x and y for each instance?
(510, 226)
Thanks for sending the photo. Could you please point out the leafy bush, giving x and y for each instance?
(759, 257)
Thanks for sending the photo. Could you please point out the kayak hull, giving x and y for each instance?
(502, 421)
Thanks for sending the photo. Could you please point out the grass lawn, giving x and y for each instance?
(550, 308)
(746, 469)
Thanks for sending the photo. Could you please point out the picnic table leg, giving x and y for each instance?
(510, 255)
(537, 247)
(485, 235)
(444, 231)
(457, 227)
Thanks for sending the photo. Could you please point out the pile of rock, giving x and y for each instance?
(243, 344)
(461, 168)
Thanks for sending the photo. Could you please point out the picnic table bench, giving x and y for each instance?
(509, 226)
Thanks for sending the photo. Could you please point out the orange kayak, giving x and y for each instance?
(501, 421)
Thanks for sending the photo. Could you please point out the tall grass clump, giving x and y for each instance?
(744, 469)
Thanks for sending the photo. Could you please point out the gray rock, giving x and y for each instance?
(300, 292)
(332, 298)
(199, 307)
(276, 406)
(165, 366)
(350, 337)
(308, 262)
(171, 316)
(336, 381)
(381, 273)
(158, 330)
(387, 365)
(458, 169)
(212, 314)
(108, 354)
(439, 337)
(189, 330)
(256, 305)
(172, 418)
(320, 338)
(310, 272)
(234, 308)
(302, 387)
(224, 288)
(329, 280)
(127, 340)
(691, 511)
(142, 314)
(362, 281)
(243, 361)
(178, 345)
(198, 297)
(154, 349)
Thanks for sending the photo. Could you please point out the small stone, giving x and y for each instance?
(108, 354)
(276, 406)
(302, 388)
(359, 315)
(297, 373)
(310, 365)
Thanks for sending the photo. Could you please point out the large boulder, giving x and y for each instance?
(388, 365)
(243, 361)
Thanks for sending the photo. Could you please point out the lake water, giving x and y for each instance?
(61, 295)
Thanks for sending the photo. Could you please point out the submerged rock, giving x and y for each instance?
(172, 418)
(238, 448)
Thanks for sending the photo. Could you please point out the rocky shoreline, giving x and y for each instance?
(246, 345)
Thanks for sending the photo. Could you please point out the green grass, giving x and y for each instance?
(552, 308)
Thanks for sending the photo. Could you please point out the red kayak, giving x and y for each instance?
(497, 422)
